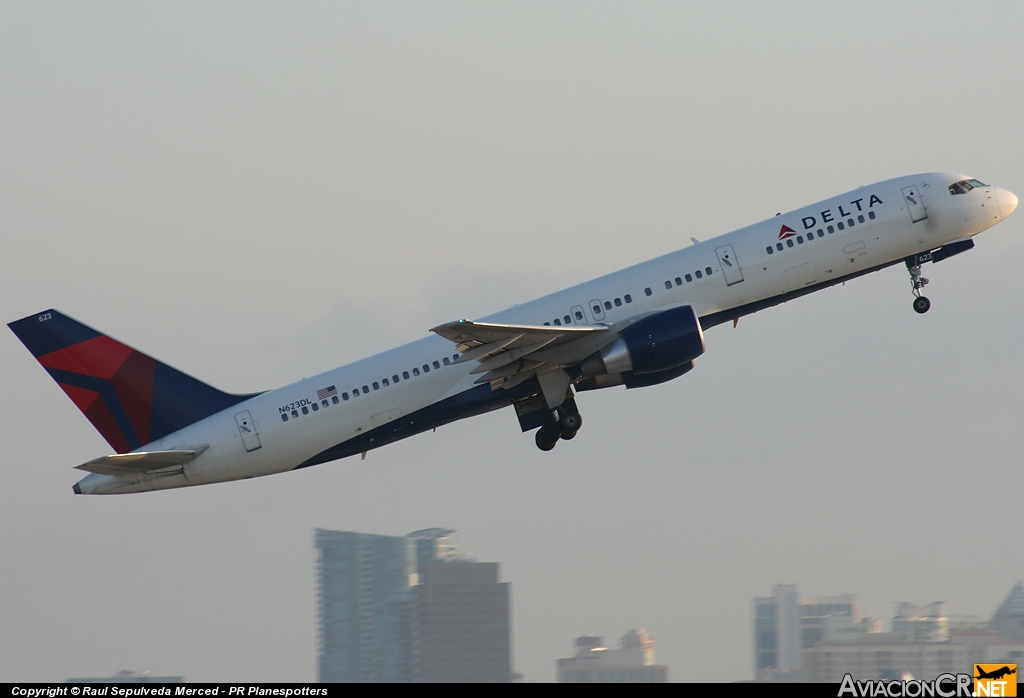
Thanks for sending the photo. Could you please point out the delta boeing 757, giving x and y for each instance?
(636, 327)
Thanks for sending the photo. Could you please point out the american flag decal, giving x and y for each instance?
(325, 393)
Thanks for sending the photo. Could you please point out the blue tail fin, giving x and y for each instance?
(131, 398)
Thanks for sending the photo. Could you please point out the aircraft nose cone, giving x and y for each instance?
(1007, 202)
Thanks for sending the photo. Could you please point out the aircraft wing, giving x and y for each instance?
(142, 461)
(509, 354)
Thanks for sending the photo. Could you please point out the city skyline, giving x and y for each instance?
(255, 194)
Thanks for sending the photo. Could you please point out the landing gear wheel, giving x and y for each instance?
(917, 282)
(571, 423)
(547, 437)
(568, 435)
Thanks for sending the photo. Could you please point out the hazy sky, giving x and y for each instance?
(257, 192)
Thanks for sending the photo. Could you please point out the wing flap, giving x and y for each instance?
(509, 354)
(142, 461)
(469, 335)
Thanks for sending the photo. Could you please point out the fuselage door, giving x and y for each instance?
(597, 310)
(730, 265)
(578, 318)
(915, 204)
(247, 430)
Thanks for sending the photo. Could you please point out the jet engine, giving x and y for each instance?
(652, 350)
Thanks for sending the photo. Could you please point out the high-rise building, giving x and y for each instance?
(433, 545)
(921, 623)
(464, 623)
(786, 623)
(632, 662)
(1008, 620)
(402, 609)
(366, 603)
(923, 642)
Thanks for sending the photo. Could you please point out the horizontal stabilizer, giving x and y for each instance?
(141, 461)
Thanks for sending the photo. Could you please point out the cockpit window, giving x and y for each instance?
(965, 185)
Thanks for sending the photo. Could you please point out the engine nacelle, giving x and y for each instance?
(642, 380)
(631, 380)
(658, 343)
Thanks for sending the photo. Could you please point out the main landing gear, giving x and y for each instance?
(921, 304)
(566, 426)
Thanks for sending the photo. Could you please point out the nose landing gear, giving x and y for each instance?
(921, 304)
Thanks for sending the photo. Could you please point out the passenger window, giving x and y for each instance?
(679, 281)
(578, 314)
(437, 365)
(628, 298)
(618, 303)
(558, 322)
(376, 385)
(821, 233)
(769, 250)
(871, 215)
(446, 361)
(689, 278)
(597, 309)
(840, 225)
(284, 417)
(607, 305)
(567, 319)
(778, 246)
(394, 378)
(366, 390)
(405, 375)
(831, 230)
(305, 410)
(789, 242)
(648, 291)
(860, 218)
(668, 284)
(426, 368)
(415, 372)
(708, 271)
(547, 324)
(698, 274)
(315, 407)
(849, 222)
(385, 382)
(799, 239)
(325, 403)
(344, 396)
(295, 414)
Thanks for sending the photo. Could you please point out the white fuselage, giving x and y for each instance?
(744, 277)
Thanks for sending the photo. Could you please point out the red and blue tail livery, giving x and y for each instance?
(131, 398)
(636, 327)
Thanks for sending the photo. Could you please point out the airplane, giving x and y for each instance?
(636, 327)
(996, 673)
